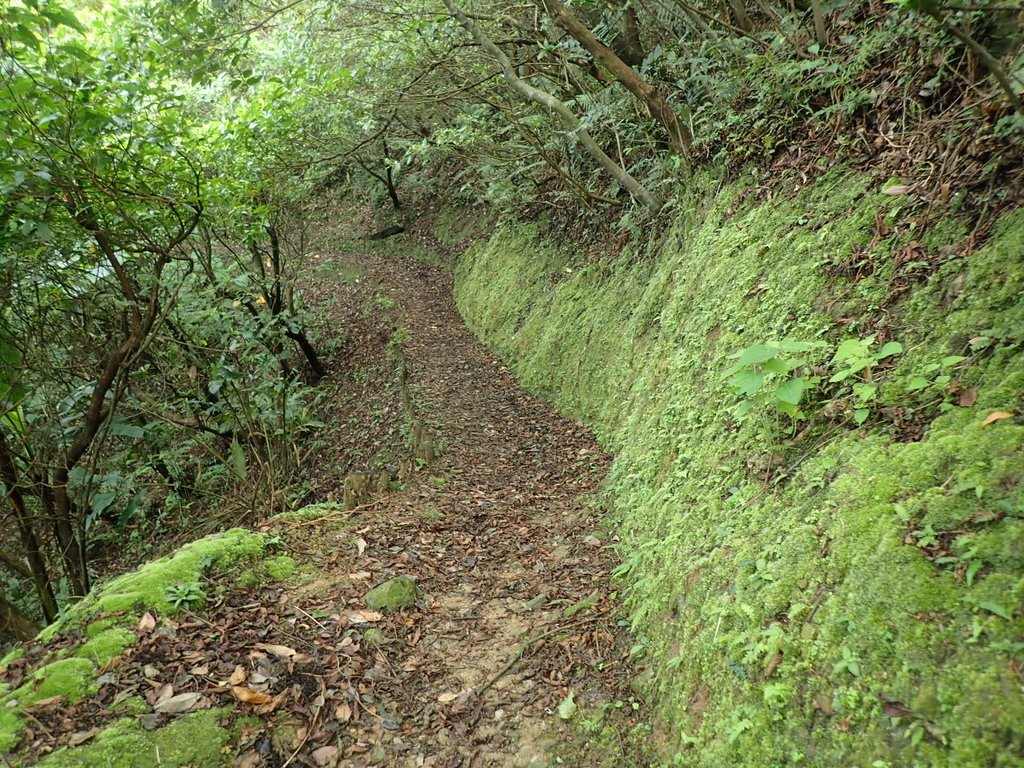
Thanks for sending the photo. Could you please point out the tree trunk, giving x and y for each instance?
(14, 623)
(26, 531)
(633, 48)
(678, 135)
(300, 338)
(567, 118)
(820, 33)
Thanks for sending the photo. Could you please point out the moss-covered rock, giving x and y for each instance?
(13, 656)
(308, 512)
(70, 679)
(399, 592)
(11, 726)
(866, 609)
(147, 588)
(193, 741)
(104, 646)
(106, 614)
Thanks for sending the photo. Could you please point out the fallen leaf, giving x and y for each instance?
(200, 671)
(175, 705)
(896, 709)
(567, 709)
(361, 545)
(996, 416)
(843, 725)
(343, 712)
(273, 704)
(360, 575)
(281, 651)
(356, 616)
(446, 698)
(249, 696)
(896, 189)
(162, 693)
(967, 398)
(44, 703)
(80, 737)
(250, 759)
(238, 676)
(147, 623)
(325, 756)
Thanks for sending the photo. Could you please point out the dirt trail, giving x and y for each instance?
(513, 617)
(499, 534)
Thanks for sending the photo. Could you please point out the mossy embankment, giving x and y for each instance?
(823, 595)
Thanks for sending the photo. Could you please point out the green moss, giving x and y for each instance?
(99, 626)
(133, 705)
(726, 577)
(75, 677)
(11, 725)
(106, 645)
(14, 655)
(280, 568)
(309, 512)
(71, 678)
(147, 587)
(392, 595)
(193, 741)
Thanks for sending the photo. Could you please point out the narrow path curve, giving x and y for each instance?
(502, 539)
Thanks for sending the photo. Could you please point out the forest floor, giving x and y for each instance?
(512, 654)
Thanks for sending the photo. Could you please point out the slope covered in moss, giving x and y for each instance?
(809, 594)
(105, 621)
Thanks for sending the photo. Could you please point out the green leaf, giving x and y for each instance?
(789, 409)
(776, 365)
(917, 382)
(747, 382)
(972, 570)
(864, 392)
(124, 429)
(791, 391)
(995, 608)
(952, 360)
(62, 16)
(238, 460)
(852, 348)
(101, 501)
(757, 354)
(888, 350)
(860, 415)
